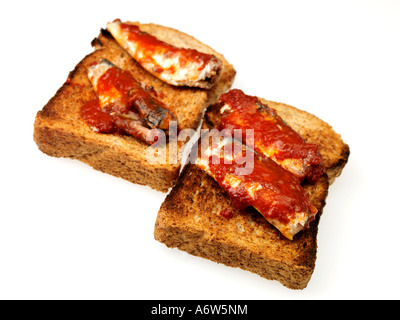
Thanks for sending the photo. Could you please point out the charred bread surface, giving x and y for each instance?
(190, 219)
(59, 130)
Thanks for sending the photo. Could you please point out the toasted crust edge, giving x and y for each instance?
(56, 136)
(218, 239)
(294, 267)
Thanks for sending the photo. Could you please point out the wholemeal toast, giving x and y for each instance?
(190, 218)
(59, 130)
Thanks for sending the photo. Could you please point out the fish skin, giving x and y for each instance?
(175, 66)
(151, 110)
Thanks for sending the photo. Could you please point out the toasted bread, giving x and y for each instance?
(59, 130)
(189, 218)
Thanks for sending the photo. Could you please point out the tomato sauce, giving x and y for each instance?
(226, 213)
(276, 193)
(150, 45)
(270, 132)
(93, 115)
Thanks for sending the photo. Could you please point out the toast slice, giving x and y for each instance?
(190, 218)
(59, 130)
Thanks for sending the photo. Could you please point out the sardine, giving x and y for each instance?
(276, 193)
(119, 92)
(175, 66)
(273, 138)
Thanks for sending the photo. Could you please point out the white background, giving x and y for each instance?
(70, 232)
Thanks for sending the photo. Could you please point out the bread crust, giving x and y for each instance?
(59, 130)
(189, 217)
(189, 220)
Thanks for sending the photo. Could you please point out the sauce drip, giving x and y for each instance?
(92, 114)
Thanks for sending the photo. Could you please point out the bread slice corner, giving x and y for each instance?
(59, 130)
(189, 218)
